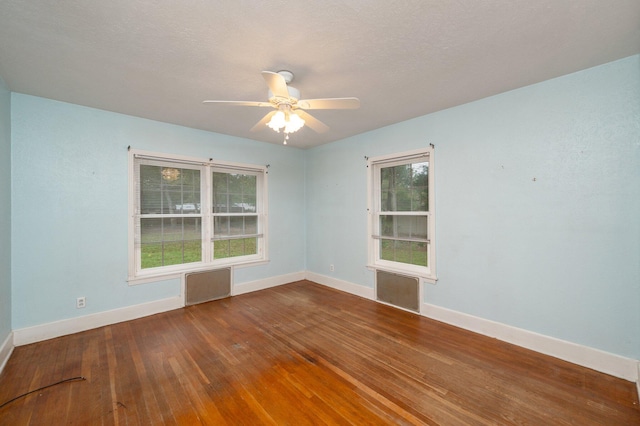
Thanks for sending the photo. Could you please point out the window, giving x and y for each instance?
(401, 213)
(190, 214)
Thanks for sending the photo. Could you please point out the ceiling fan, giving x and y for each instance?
(289, 113)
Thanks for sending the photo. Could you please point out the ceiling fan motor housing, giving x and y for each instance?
(293, 93)
(287, 75)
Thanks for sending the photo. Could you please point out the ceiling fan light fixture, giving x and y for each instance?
(279, 121)
(294, 124)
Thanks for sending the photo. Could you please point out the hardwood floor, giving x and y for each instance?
(301, 354)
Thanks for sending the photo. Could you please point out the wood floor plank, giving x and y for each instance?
(302, 354)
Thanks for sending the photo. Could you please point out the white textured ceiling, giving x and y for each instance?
(403, 59)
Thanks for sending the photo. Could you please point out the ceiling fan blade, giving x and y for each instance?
(330, 103)
(240, 103)
(262, 123)
(276, 83)
(312, 122)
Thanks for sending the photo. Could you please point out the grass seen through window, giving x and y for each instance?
(175, 253)
(413, 253)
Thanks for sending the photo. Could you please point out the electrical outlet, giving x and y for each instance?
(81, 302)
(331, 268)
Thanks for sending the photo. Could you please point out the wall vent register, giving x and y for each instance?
(398, 290)
(206, 286)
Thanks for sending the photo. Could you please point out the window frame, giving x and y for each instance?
(138, 275)
(374, 209)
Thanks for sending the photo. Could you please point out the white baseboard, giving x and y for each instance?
(262, 284)
(346, 286)
(638, 380)
(37, 333)
(605, 362)
(5, 350)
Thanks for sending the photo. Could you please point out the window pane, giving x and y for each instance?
(236, 225)
(233, 248)
(170, 241)
(250, 246)
(221, 226)
(235, 183)
(404, 188)
(411, 252)
(235, 203)
(220, 193)
(168, 190)
(249, 184)
(221, 249)
(250, 225)
(234, 192)
(387, 250)
(420, 187)
(403, 226)
(249, 190)
(224, 226)
(419, 253)
(249, 203)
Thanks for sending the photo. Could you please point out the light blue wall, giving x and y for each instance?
(5, 212)
(538, 206)
(69, 206)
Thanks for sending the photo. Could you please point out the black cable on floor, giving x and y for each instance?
(44, 387)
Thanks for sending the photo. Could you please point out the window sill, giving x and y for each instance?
(144, 279)
(164, 276)
(425, 278)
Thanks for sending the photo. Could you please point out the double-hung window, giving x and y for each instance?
(401, 213)
(189, 214)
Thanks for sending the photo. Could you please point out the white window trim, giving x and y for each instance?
(426, 274)
(176, 271)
